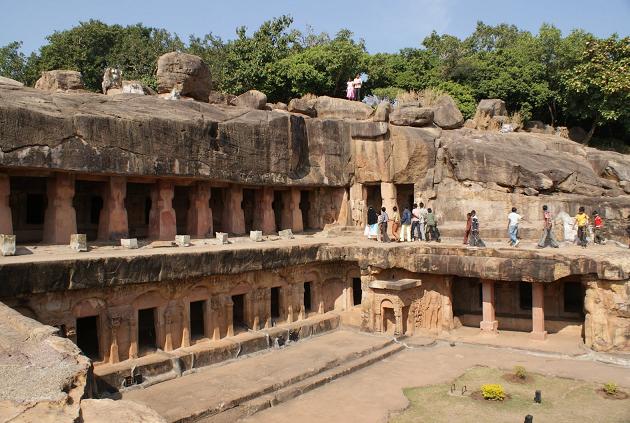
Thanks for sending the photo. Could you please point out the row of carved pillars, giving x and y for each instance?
(489, 322)
(60, 217)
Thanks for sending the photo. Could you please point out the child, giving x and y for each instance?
(598, 223)
(475, 240)
(581, 221)
(350, 90)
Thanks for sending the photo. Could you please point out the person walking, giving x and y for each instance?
(581, 221)
(395, 223)
(357, 83)
(513, 220)
(468, 226)
(431, 222)
(350, 90)
(547, 234)
(598, 228)
(415, 222)
(422, 215)
(372, 221)
(383, 220)
(628, 231)
(475, 239)
(405, 221)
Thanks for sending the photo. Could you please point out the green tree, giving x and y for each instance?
(599, 85)
(12, 61)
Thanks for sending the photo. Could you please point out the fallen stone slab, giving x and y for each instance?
(78, 242)
(256, 236)
(222, 238)
(286, 234)
(107, 410)
(7, 245)
(130, 243)
(182, 240)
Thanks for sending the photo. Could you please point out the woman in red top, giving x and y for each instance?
(598, 228)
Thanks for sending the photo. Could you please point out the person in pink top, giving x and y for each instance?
(350, 90)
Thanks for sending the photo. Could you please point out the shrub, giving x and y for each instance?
(610, 388)
(390, 93)
(493, 392)
(520, 372)
(516, 119)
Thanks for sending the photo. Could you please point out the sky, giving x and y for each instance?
(385, 25)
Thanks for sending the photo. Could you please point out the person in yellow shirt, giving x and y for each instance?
(581, 221)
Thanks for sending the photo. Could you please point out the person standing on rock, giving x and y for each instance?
(475, 239)
(628, 231)
(581, 221)
(547, 235)
(415, 222)
(383, 219)
(432, 231)
(513, 220)
(405, 221)
(396, 223)
(423, 222)
(356, 84)
(372, 221)
(598, 228)
(350, 90)
(468, 225)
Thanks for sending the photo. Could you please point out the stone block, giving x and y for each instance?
(78, 242)
(256, 236)
(7, 245)
(130, 243)
(182, 240)
(286, 234)
(222, 238)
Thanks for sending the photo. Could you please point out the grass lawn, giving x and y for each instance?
(563, 400)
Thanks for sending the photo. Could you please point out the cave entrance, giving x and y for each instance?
(147, 339)
(357, 292)
(87, 203)
(181, 204)
(275, 302)
(249, 205)
(404, 196)
(197, 326)
(87, 336)
(308, 304)
(374, 197)
(238, 312)
(138, 205)
(28, 201)
(217, 202)
(277, 209)
(573, 293)
(305, 206)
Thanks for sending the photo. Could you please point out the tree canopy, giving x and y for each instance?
(563, 80)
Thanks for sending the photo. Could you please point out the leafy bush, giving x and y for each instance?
(493, 392)
(611, 388)
(520, 372)
(389, 93)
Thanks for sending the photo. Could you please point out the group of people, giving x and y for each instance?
(353, 90)
(417, 224)
(420, 223)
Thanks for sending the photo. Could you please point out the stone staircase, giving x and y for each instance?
(244, 387)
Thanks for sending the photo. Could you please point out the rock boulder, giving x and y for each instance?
(60, 80)
(412, 116)
(187, 72)
(9, 81)
(339, 108)
(492, 107)
(303, 106)
(447, 114)
(252, 99)
(382, 112)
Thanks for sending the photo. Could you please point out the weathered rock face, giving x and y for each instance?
(252, 99)
(339, 108)
(60, 80)
(492, 107)
(216, 97)
(607, 322)
(303, 106)
(411, 116)
(9, 81)
(107, 410)
(447, 114)
(185, 71)
(382, 112)
(144, 135)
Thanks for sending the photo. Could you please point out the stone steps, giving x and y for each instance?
(292, 391)
(234, 390)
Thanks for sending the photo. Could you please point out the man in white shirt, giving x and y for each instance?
(513, 221)
(357, 83)
(423, 220)
(415, 223)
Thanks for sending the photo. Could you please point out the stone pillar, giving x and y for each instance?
(229, 316)
(233, 215)
(320, 297)
(162, 220)
(112, 222)
(538, 311)
(388, 194)
(399, 321)
(199, 219)
(489, 322)
(357, 204)
(215, 307)
(186, 324)
(60, 219)
(114, 324)
(168, 328)
(299, 292)
(6, 222)
(133, 335)
(291, 217)
(264, 217)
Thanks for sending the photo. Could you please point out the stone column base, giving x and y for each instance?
(538, 336)
(489, 326)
